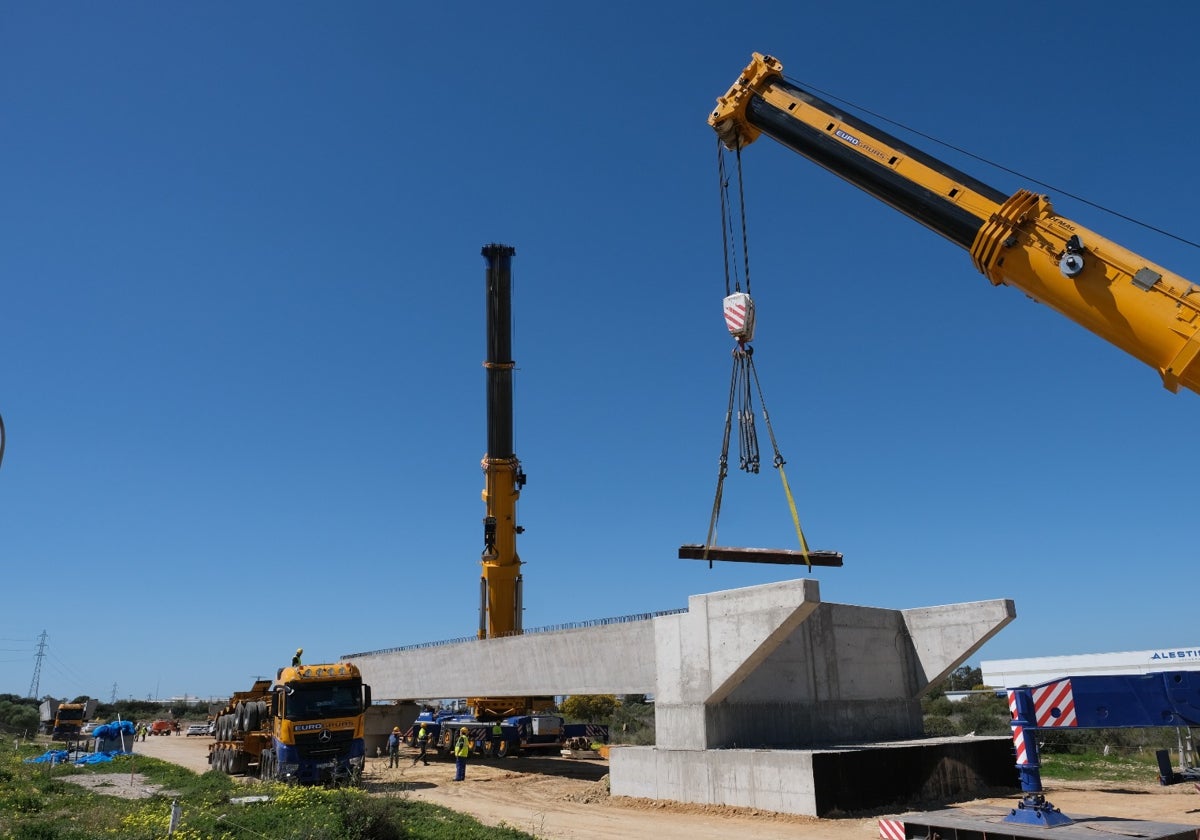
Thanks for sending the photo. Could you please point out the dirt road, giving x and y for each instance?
(562, 799)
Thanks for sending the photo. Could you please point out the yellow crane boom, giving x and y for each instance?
(1015, 240)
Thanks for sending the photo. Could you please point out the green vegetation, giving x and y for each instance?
(1118, 766)
(630, 720)
(37, 803)
(982, 714)
(18, 714)
(589, 707)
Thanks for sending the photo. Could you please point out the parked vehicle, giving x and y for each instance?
(162, 727)
(198, 729)
(308, 727)
(64, 721)
(518, 733)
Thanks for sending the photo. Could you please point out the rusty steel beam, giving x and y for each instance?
(777, 556)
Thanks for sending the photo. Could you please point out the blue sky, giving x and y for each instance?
(242, 325)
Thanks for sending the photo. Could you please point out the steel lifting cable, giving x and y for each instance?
(743, 366)
(778, 463)
(744, 381)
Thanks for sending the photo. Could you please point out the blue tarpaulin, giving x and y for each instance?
(113, 730)
(63, 756)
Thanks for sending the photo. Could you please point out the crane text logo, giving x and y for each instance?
(849, 138)
(1176, 654)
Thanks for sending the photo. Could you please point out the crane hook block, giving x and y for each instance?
(739, 316)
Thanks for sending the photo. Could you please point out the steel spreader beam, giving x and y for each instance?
(777, 556)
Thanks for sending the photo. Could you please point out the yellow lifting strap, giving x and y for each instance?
(787, 491)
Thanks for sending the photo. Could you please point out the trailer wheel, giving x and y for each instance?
(502, 749)
(266, 766)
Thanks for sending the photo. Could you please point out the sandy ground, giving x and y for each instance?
(564, 799)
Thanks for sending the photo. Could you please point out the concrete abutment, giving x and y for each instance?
(764, 696)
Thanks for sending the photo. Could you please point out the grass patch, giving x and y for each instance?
(38, 803)
(1089, 766)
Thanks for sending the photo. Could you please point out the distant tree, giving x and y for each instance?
(939, 726)
(18, 714)
(964, 678)
(589, 707)
(940, 705)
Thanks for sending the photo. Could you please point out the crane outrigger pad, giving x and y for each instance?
(778, 556)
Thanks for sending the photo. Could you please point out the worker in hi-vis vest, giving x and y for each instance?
(462, 749)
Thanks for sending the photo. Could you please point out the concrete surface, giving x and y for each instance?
(743, 672)
(816, 783)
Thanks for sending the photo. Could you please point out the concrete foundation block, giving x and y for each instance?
(817, 783)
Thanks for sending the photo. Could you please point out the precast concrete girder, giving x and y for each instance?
(764, 666)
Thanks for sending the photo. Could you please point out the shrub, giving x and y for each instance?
(939, 726)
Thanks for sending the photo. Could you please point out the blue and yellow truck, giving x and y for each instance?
(306, 727)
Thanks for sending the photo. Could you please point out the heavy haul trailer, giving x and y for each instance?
(307, 727)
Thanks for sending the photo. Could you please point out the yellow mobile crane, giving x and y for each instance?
(500, 585)
(1016, 240)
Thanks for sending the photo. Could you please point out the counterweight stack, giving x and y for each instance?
(500, 585)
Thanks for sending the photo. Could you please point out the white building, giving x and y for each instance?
(1011, 673)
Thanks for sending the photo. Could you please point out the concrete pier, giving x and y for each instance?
(759, 683)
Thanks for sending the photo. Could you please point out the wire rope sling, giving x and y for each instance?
(744, 383)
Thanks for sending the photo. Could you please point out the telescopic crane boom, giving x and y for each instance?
(1018, 240)
(500, 585)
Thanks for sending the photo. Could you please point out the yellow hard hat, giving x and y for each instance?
(299, 651)
(463, 730)
(395, 728)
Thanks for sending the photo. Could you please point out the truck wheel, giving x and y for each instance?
(239, 717)
(502, 749)
(266, 766)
